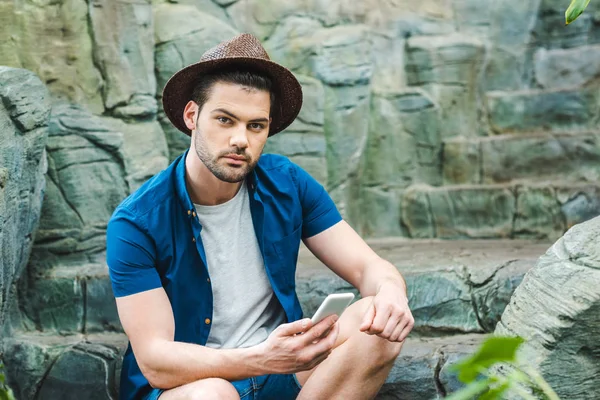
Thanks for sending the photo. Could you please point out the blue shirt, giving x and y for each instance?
(153, 240)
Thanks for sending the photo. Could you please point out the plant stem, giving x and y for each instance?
(539, 380)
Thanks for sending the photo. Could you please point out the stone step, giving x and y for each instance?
(88, 366)
(541, 156)
(537, 210)
(454, 286)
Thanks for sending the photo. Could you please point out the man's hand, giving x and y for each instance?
(388, 316)
(287, 351)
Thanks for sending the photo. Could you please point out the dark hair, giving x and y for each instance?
(254, 79)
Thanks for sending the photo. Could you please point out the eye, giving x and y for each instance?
(223, 120)
(255, 126)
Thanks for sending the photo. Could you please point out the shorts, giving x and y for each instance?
(265, 387)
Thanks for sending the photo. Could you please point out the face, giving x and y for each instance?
(231, 129)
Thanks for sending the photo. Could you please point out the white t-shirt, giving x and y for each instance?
(245, 309)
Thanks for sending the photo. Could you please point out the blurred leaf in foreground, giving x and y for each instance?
(493, 350)
(575, 9)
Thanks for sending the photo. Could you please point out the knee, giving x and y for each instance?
(212, 389)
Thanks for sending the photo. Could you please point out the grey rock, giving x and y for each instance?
(382, 214)
(78, 374)
(538, 214)
(304, 140)
(505, 158)
(463, 211)
(24, 113)
(447, 67)
(101, 311)
(144, 149)
(552, 110)
(139, 107)
(416, 212)
(413, 375)
(346, 128)
(124, 51)
(66, 367)
(567, 68)
(492, 292)
(181, 41)
(448, 59)
(343, 56)
(53, 40)
(292, 44)
(453, 350)
(216, 8)
(462, 161)
(578, 203)
(86, 167)
(543, 156)
(403, 147)
(441, 301)
(27, 362)
(549, 29)
(555, 309)
(53, 303)
(510, 34)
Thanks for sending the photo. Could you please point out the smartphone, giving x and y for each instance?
(333, 304)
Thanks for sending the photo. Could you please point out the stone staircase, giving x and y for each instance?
(457, 291)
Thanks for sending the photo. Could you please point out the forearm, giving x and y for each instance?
(167, 364)
(380, 273)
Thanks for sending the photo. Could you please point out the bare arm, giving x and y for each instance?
(347, 254)
(343, 251)
(148, 322)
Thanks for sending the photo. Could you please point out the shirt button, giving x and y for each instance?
(194, 239)
(194, 214)
(189, 212)
(207, 279)
(207, 321)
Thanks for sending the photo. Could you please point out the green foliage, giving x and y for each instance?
(575, 9)
(484, 382)
(5, 392)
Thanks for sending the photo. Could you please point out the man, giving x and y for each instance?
(202, 257)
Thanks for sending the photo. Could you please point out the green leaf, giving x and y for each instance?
(470, 391)
(495, 393)
(495, 349)
(575, 9)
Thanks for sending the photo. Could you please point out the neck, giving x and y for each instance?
(205, 188)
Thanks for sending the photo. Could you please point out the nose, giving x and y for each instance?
(239, 138)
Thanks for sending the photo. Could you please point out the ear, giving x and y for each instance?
(189, 115)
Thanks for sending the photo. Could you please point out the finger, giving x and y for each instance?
(396, 334)
(319, 330)
(368, 318)
(390, 326)
(326, 344)
(407, 329)
(380, 321)
(302, 325)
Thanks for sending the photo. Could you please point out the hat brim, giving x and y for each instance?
(288, 92)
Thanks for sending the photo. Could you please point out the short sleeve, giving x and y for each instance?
(318, 209)
(130, 255)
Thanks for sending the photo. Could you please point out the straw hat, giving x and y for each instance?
(246, 52)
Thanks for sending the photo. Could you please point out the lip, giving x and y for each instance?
(235, 159)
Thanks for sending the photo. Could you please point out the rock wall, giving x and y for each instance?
(443, 119)
(419, 118)
(24, 111)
